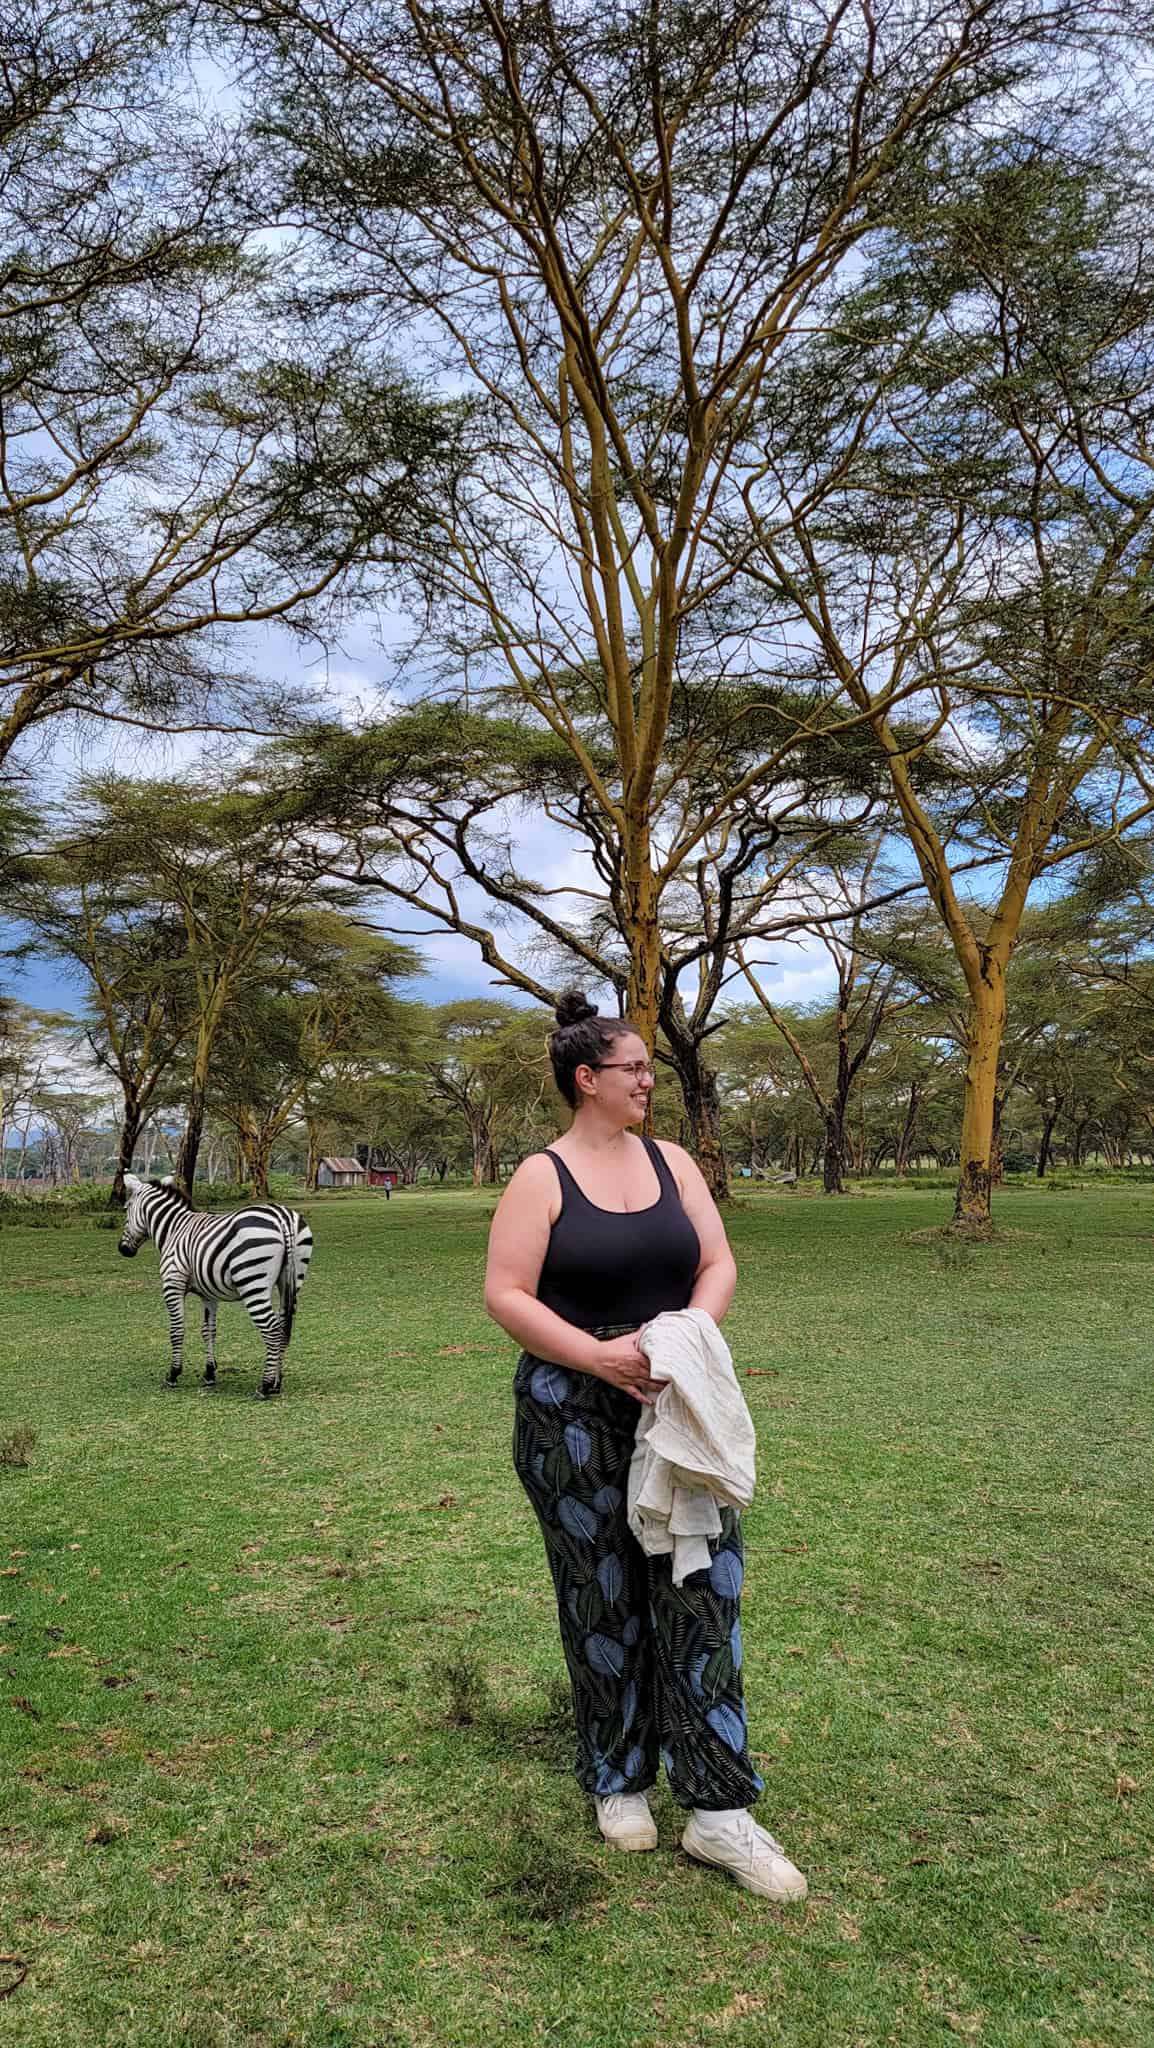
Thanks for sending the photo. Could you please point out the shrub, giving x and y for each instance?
(55, 1208)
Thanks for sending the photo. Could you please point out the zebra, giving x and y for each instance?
(250, 1255)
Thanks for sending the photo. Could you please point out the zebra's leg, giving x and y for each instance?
(209, 1327)
(265, 1311)
(174, 1303)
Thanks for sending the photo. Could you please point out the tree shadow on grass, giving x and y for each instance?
(544, 1882)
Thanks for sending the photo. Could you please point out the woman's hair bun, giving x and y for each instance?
(573, 1008)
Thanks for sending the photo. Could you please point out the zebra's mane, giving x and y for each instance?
(164, 1187)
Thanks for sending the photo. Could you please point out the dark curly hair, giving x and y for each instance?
(582, 1039)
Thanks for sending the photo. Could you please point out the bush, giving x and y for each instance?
(56, 1208)
(230, 1194)
(221, 1194)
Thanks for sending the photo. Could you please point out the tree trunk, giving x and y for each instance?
(255, 1152)
(1049, 1121)
(478, 1137)
(315, 1155)
(984, 1043)
(260, 1160)
(644, 991)
(703, 1112)
(126, 1149)
(187, 1156)
(997, 1144)
(833, 1157)
(902, 1153)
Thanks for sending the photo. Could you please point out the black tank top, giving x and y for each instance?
(605, 1266)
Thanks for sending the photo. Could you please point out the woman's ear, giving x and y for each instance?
(585, 1079)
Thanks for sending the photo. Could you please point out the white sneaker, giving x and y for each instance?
(733, 1841)
(626, 1822)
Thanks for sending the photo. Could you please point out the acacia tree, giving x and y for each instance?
(325, 1002)
(423, 809)
(87, 910)
(394, 1114)
(770, 1114)
(66, 1117)
(917, 1061)
(180, 455)
(995, 542)
(611, 229)
(1109, 959)
(487, 1062)
(868, 993)
(34, 1054)
(217, 863)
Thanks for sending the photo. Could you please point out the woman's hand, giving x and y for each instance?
(621, 1363)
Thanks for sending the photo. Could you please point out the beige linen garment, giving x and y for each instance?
(695, 1446)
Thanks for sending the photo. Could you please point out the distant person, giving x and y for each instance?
(591, 1239)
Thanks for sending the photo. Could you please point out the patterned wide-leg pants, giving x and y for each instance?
(655, 1668)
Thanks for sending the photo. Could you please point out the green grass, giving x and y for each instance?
(283, 1756)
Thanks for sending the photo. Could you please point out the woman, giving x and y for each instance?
(591, 1239)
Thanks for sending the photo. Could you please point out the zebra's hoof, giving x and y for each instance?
(269, 1393)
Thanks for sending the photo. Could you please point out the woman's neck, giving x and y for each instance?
(593, 1134)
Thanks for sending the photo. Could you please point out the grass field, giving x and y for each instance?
(283, 1755)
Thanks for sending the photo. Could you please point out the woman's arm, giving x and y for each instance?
(717, 1274)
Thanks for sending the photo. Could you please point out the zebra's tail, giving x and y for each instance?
(297, 1253)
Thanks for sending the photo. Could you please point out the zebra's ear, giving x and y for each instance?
(131, 1181)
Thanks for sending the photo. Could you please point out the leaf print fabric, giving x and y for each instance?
(655, 1669)
(578, 1443)
(611, 1578)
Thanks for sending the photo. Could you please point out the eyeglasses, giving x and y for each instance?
(634, 1067)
